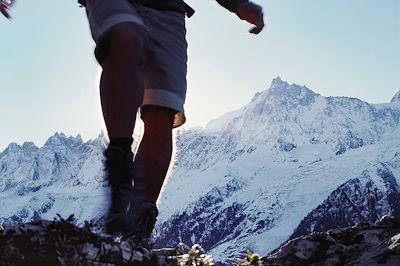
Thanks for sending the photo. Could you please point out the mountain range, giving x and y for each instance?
(288, 163)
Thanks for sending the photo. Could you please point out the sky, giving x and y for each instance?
(49, 76)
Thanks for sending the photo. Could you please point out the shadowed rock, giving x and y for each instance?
(363, 244)
(60, 242)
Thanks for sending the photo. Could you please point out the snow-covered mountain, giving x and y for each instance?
(254, 174)
(291, 161)
(64, 176)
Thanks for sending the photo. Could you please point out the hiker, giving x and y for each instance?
(141, 47)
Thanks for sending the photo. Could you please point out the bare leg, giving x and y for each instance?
(121, 84)
(155, 149)
(121, 92)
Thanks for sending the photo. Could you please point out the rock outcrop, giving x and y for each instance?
(61, 242)
(364, 244)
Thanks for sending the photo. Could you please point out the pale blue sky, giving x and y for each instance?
(340, 47)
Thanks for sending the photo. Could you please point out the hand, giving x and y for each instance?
(253, 14)
(4, 9)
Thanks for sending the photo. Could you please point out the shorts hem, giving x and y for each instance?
(163, 98)
(113, 21)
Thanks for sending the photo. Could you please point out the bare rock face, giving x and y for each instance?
(363, 244)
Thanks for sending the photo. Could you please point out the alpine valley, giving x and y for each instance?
(288, 163)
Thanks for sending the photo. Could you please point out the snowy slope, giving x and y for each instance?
(249, 178)
(281, 164)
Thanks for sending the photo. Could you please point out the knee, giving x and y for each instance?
(124, 43)
(158, 119)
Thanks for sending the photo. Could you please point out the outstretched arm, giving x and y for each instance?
(247, 11)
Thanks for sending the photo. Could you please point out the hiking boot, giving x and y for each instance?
(130, 214)
(119, 171)
(142, 218)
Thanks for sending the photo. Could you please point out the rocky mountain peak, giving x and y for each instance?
(60, 139)
(288, 115)
(29, 146)
(279, 83)
(283, 92)
(12, 147)
(292, 94)
(281, 97)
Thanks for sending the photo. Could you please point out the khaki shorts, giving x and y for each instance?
(166, 57)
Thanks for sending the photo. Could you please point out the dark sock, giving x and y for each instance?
(123, 143)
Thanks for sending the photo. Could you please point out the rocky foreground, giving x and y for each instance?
(364, 244)
(60, 242)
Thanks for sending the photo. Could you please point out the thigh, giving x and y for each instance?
(105, 14)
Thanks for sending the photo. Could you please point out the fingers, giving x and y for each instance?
(259, 25)
(253, 14)
(3, 10)
(256, 30)
(5, 13)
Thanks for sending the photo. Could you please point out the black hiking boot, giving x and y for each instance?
(142, 217)
(119, 170)
(130, 213)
